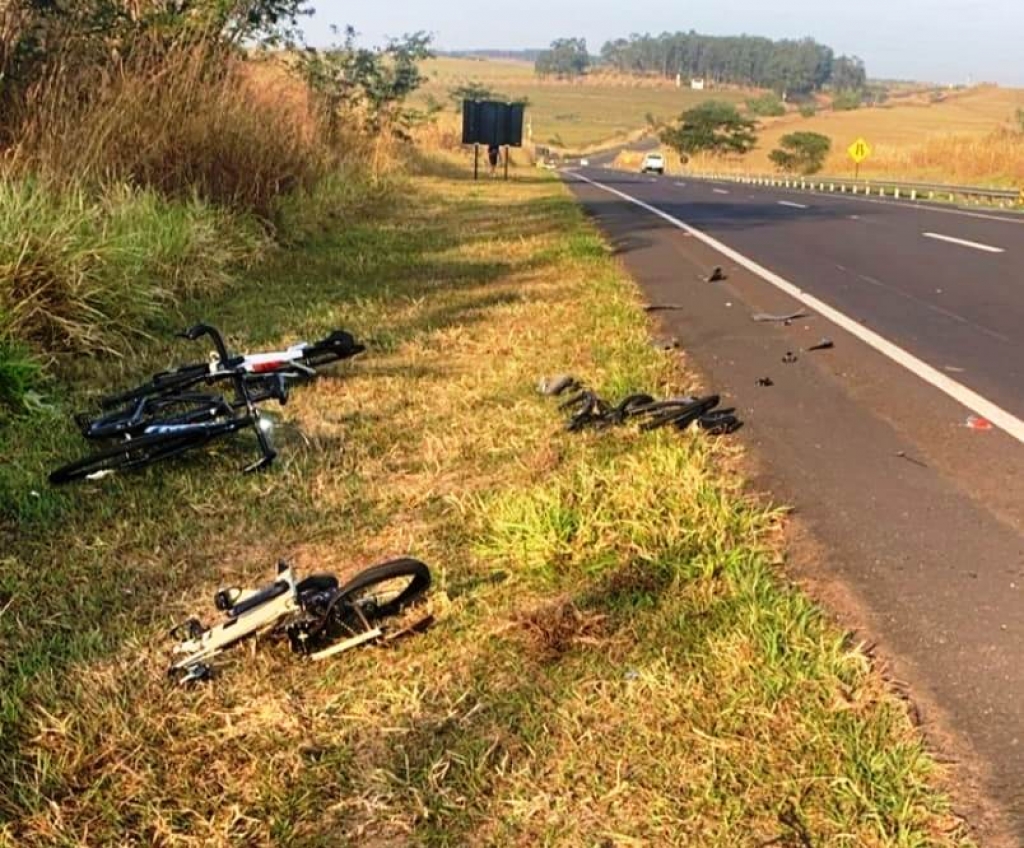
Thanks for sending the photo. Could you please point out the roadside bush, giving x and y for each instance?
(846, 101)
(20, 373)
(91, 273)
(186, 121)
(808, 111)
(802, 152)
(766, 106)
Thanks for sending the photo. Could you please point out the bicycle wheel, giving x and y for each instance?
(144, 450)
(186, 408)
(384, 590)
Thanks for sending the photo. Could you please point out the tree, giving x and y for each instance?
(567, 57)
(802, 152)
(369, 85)
(788, 67)
(714, 127)
(848, 73)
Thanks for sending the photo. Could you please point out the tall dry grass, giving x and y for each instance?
(187, 120)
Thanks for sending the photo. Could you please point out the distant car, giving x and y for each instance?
(584, 162)
(653, 162)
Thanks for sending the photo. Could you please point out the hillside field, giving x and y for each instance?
(967, 136)
(573, 115)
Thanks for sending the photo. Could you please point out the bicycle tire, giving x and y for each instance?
(419, 581)
(173, 408)
(144, 450)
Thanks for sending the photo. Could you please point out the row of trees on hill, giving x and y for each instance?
(791, 67)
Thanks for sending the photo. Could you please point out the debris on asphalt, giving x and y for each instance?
(789, 358)
(908, 458)
(716, 276)
(765, 381)
(786, 318)
(557, 385)
(662, 307)
(665, 344)
(976, 422)
(824, 344)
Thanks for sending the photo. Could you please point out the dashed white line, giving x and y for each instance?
(987, 248)
(1002, 419)
(793, 205)
(719, 191)
(681, 185)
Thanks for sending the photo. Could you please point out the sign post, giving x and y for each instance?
(494, 124)
(859, 151)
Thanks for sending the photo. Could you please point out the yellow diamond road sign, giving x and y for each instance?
(859, 150)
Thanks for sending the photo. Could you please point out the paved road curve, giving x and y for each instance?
(919, 516)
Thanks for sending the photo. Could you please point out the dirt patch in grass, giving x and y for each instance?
(614, 660)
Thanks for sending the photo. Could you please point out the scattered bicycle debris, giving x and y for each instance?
(662, 307)
(910, 459)
(665, 344)
(976, 422)
(765, 382)
(557, 385)
(824, 344)
(588, 410)
(789, 357)
(785, 318)
(717, 275)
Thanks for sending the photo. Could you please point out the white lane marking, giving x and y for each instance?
(793, 205)
(681, 185)
(920, 206)
(1002, 419)
(719, 191)
(964, 243)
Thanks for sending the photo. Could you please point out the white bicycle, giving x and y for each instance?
(314, 613)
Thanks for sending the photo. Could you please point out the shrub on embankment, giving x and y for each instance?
(146, 156)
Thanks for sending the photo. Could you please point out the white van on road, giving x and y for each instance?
(653, 162)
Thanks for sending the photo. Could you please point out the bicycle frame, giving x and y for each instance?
(260, 610)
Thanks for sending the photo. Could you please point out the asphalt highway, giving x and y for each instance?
(909, 523)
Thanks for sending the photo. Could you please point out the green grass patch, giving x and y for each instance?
(615, 659)
(87, 274)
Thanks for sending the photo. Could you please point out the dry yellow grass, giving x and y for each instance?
(965, 139)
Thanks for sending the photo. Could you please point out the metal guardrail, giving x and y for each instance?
(879, 188)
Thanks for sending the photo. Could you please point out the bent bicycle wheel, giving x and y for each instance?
(144, 450)
(173, 409)
(384, 590)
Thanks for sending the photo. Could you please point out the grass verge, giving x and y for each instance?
(615, 663)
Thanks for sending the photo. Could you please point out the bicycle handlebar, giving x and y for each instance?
(197, 331)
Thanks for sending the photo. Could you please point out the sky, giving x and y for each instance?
(945, 41)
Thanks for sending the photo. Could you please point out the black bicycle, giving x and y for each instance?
(164, 417)
(299, 361)
(168, 425)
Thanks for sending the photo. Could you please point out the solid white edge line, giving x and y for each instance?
(792, 204)
(1002, 419)
(964, 243)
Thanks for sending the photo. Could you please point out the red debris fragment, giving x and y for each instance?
(976, 422)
